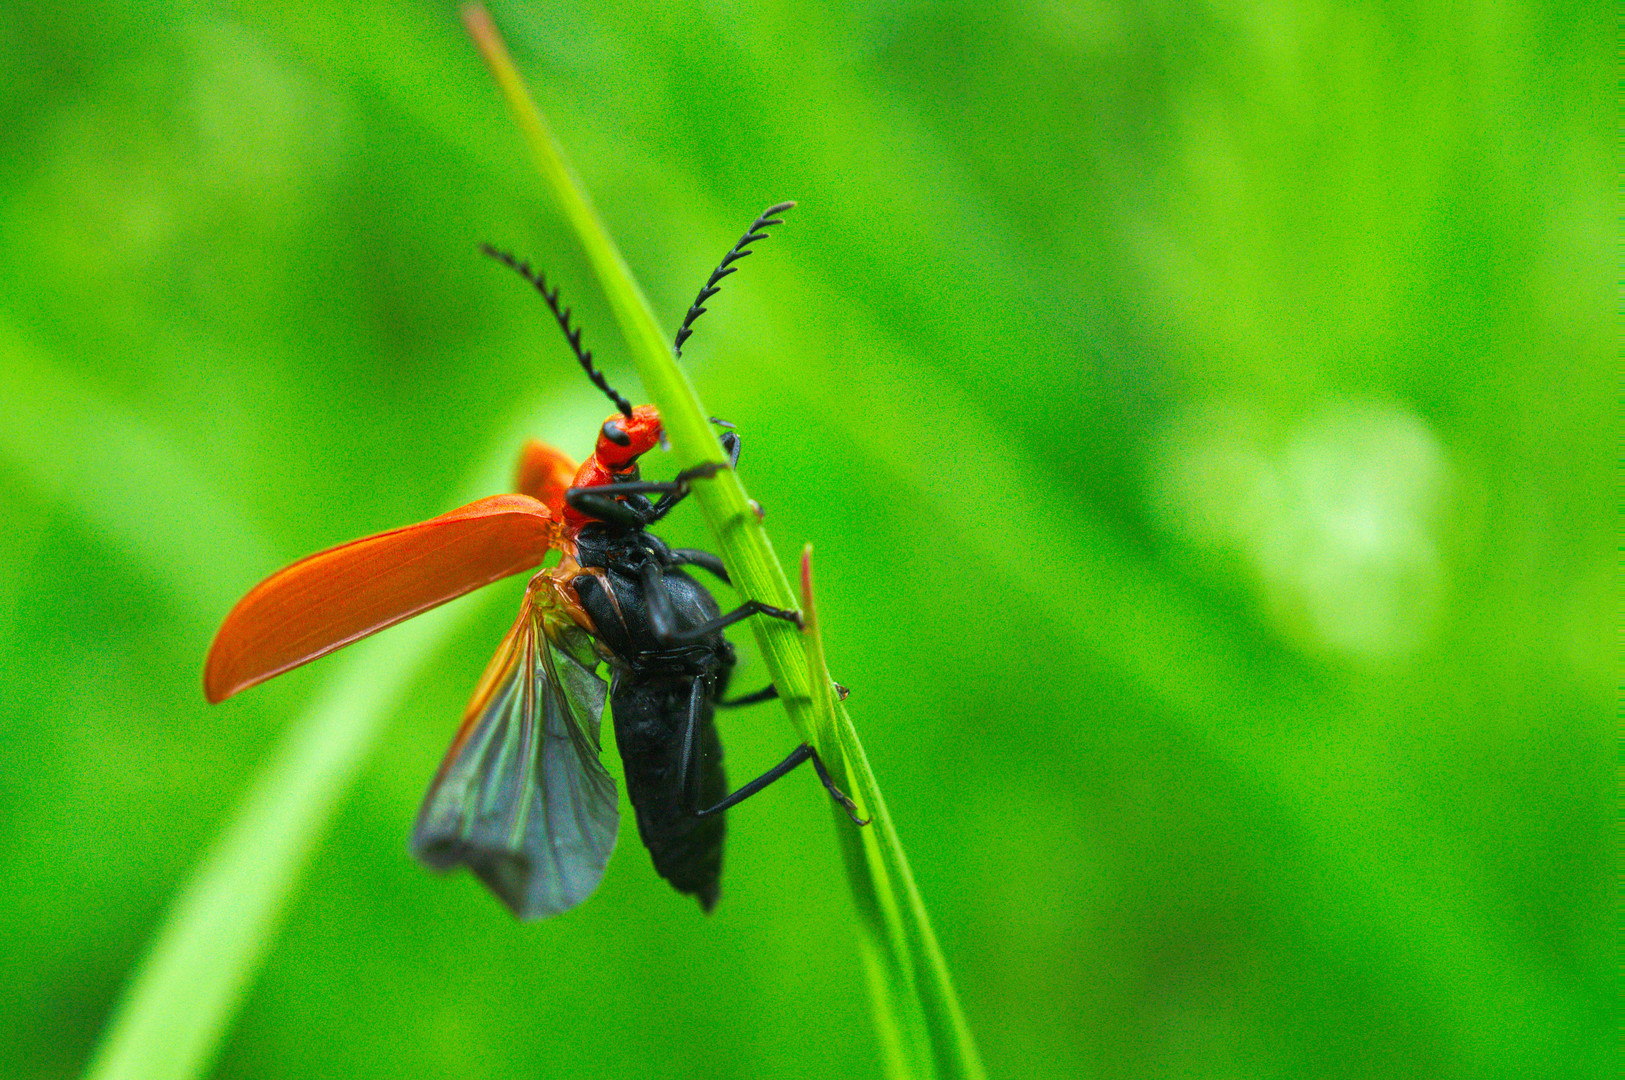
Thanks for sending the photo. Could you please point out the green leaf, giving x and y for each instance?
(189, 987)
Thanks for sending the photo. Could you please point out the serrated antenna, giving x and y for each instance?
(572, 334)
(713, 284)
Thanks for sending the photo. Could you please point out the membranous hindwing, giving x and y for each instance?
(522, 798)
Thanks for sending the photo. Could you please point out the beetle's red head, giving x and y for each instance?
(623, 439)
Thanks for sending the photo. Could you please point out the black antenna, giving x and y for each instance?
(562, 314)
(713, 284)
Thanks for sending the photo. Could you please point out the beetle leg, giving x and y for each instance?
(604, 503)
(766, 693)
(663, 617)
(738, 614)
(680, 489)
(796, 757)
(702, 559)
(836, 793)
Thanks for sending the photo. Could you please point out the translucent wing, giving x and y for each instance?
(327, 600)
(521, 798)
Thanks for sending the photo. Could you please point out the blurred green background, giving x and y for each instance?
(1203, 415)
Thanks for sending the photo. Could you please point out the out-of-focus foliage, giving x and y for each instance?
(1204, 418)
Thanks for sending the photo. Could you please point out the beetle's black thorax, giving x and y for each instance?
(613, 593)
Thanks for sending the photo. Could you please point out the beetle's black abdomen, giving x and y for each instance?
(686, 850)
(654, 688)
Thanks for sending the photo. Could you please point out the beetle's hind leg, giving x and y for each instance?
(802, 753)
(690, 765)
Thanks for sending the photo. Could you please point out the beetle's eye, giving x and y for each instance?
(616, 434)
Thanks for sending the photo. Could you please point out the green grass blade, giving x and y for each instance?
(920, 1023)
(187, 990)
(897, 1000)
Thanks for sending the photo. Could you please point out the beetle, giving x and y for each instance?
(521, 797)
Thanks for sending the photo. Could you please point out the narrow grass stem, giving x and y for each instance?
(921, 1026)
